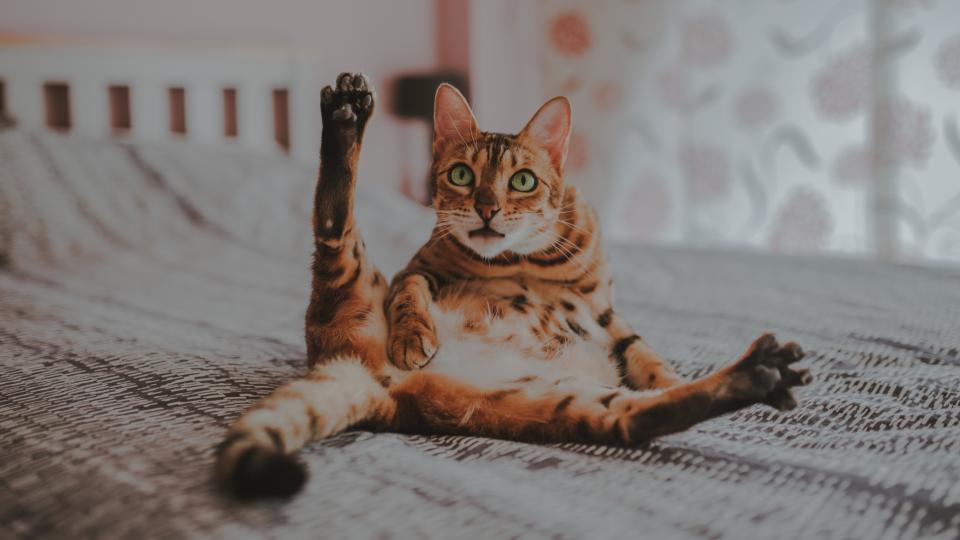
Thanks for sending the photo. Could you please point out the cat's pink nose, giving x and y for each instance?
(486, 211)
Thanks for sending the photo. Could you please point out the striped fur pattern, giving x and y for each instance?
(502, 324)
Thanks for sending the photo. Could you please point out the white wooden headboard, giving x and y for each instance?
(263, 100)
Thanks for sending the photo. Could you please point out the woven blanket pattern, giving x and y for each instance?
(149, 294)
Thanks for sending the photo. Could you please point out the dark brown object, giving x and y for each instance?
(178, 111)
(281, 118)
(230, 112)
(56, 101)
(120, 116)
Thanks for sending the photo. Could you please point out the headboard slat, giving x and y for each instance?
(261, 100)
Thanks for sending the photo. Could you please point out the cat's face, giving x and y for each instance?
(495, 192)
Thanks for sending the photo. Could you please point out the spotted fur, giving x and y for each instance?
(508, 334)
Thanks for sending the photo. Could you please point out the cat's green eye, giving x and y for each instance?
(523, 181)
(460, 175)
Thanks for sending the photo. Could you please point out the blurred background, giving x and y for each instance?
(794, 126)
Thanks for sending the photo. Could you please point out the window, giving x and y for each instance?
(178, 110)
(120, 118)
(56, 101)
(281, 118)
(230, 112)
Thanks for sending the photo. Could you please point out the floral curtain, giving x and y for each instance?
(797, 126)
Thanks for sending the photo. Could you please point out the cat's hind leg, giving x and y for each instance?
(533, 410)
(255, 457)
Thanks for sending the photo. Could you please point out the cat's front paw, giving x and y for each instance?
(349, 103)
(412, 345)
(763, 374)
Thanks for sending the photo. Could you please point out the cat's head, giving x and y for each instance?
(494, 192)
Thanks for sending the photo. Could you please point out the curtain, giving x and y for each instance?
(796, 126)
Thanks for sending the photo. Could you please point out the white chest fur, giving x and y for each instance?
(505, 350)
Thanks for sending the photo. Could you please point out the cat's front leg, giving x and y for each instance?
(412, 336)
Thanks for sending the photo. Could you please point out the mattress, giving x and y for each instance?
(150, 293)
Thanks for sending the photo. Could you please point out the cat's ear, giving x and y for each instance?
(453, 121)
(549, 129)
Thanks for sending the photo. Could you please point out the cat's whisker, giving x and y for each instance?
(556, 245)
(571, 250)
(570, 244)
(572, 226)
(441, 231)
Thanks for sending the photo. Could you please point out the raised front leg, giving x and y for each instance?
(640, 368)
(345, 315)
(412, 338)
(345, 324)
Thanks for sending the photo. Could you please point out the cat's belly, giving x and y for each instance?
(502, 351)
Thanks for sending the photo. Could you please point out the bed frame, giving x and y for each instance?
(263, 100)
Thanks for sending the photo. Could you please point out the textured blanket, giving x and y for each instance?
(150, 293)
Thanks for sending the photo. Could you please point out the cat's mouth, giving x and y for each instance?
(485, 232)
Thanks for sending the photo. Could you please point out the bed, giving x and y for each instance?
(151, 291)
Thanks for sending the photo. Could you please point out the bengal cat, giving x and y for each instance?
(502, 325)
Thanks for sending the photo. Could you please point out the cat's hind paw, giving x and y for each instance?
(764, 374)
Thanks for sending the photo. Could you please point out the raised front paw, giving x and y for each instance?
(351, 102)
(763, 374)
(412, 343)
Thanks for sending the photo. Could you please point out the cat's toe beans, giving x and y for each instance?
(350, 99)
(344, 81)
(360, 82)
(764, 345)
(782, 400)
(798, 377)
(366, 101)
(765, 378)
(791, 352)
(344, 112)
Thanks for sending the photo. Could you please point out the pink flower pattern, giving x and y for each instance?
(570, 34)
(910, 127)
(707, 40)
(607, 95)
(948, 62)
(803, 224)
(774, 173)
(706, 171)
(841, 87)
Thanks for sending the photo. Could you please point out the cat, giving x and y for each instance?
(502, 325)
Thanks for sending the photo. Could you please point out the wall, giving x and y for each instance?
(378, 38)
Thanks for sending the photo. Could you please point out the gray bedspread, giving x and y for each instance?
(150, 293)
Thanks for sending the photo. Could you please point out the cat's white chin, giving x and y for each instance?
(520, 241)
(487, 247)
